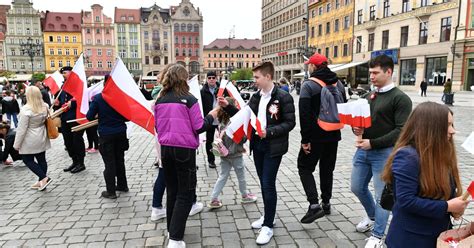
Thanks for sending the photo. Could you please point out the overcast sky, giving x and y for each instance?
(219, 15)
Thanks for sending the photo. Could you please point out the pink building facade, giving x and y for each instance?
(98, 39)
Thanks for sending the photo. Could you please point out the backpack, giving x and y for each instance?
(331, 95)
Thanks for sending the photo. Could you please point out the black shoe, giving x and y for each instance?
(70, 167)
(123, 189)
(312, 214)
(326, 208)
(78, 169)
(108, 195)
(212, 165)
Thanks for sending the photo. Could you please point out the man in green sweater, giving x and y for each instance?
(389, 110)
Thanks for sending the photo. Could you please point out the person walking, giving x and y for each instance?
(178, 122)
(423, 87)
(209, 102)
(317, 145)
(389, 110)
(424, 175)
(31, 138)
(276, 109)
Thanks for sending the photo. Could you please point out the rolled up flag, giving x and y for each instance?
(222, 86)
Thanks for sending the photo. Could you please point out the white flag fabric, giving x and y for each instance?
(193, 84)
(95, 89)
(234, 93)
(222, 86)
(469, 143)
(355, 113)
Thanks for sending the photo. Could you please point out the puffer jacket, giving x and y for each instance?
(178, 121)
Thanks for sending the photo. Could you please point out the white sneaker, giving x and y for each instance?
(365, 225)
(374, 242)
(258, 223)
(266, 233)
(157, 213)
(196, 209)
(176, 244)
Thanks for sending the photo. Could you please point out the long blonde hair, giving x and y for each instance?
(34, 99)
(426, 130)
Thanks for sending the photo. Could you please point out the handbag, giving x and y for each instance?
(51, 127)
(387, 199)
(218, 147)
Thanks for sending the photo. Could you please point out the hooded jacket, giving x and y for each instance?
(10, 105)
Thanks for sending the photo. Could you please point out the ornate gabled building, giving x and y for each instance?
(156, 39)
(187, 36)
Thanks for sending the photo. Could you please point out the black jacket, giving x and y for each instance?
(45, 95)
(208, 98)
(8, 149)
(10, 105)
(278, 129)
(309, 107)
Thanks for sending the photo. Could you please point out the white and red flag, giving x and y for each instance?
(234, 93)
(239, 125)
(54, 82)
(95, 89)
(258, 125)
(76, 86)
(222, 86)
(355, 114)
(193, 84)
(123, 95)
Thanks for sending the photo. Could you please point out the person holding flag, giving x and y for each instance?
(73, 141)
(273, 117)
(113, 143)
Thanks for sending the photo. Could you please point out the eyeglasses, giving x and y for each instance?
(211, 77)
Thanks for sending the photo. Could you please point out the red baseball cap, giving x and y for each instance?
(316, 59)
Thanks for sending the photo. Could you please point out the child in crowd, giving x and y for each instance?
(233, 159)
(178, 122)
(8, 134)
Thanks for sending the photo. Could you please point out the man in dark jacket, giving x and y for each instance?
(73, 140)
(209, 101)
(44, 92)
(316, 143)
(10, 107)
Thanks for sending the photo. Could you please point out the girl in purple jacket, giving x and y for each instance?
(178, 122)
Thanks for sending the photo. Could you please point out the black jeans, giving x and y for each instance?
(40, 167)
(179, 165)
(209, 139)
(423, 92)
(74, 143)
(267, 170)
(92, 137)
(326, 154)
(112, 149)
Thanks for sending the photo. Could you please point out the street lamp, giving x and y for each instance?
(31, 49)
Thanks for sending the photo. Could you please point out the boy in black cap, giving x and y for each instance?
(209, 101)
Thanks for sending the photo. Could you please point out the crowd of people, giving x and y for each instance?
(400, 150)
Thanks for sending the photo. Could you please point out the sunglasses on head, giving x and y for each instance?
(211, 77)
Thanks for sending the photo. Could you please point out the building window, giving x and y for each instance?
(312, 32)
(97, 19)
(147, 47)
(327, 52)
(99, 64)
(347, 22)
(98, 41)
(51, 51)
(371, 42)
(89, 64)
(385, 36)
(445, 29)
(386, 8)
(74, 39)
(359, 44)
(51, 64)
(320, 11)
(372, 12)
(338, 4)
(424, 3)
(165, 35)
(60, 63)
(88, 30)
(335, 51)
(405, 6)
(359, 16)
(66, 39)
(408, 72)
(177, 52)
(58, 39)
(328, 7)
(436, 70)
(320, 29)
(97, 31)
(109, 64)
(147, 60)
(336, 25)
(67, 51)
(345, 50)
(99, 52)
(60, 51)
(75, 51)
(166, 60)
(328, 27)
(68, 63)
(404, 36)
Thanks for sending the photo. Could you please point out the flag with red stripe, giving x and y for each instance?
(54, 82)
(222, 86)
(258, 125)
(355, 114)
(123, 95)
(234, 93)
(239, 125)
(76, 86)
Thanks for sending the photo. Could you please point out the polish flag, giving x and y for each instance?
(258, 125)
(95, 89)
(54, 82)
(355, 114)
(234, 93)
(222, 86)
(239, 125)
(469, 191)
(76, 86)
(123, 95)
(193, 84)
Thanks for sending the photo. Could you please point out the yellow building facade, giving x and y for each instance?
(331, 29)
(62, 40)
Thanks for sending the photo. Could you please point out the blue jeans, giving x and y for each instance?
(15, 119)
(40, 168)
(226, 166)
(370, 164)
(267, 169)
(159, 189)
